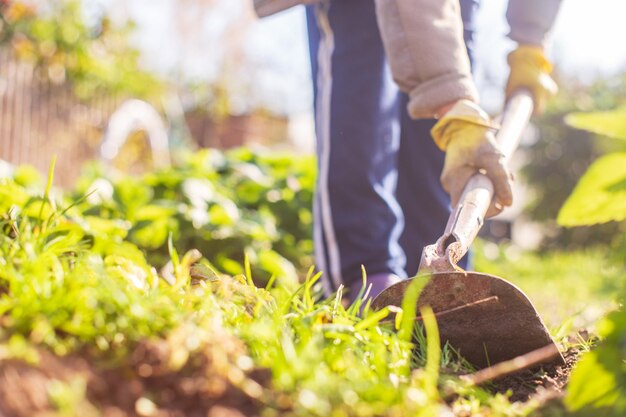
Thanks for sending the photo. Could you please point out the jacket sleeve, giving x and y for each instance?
(423, 41)
(531, 20)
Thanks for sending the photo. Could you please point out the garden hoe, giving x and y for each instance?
(486, 318)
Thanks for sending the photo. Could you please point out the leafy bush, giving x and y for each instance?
(598, 383)
(225, 205)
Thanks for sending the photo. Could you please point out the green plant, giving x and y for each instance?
(600, 196)
(64, 279)
(562, 154)
(227, 205)
(598, 383)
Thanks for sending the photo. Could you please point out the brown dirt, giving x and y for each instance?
(211, 383)
(546, 382)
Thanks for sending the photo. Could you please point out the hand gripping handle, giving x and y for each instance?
(468, 216)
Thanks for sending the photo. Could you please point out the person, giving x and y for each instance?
(386, 74)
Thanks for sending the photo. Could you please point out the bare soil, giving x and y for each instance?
(547, 382)
(211, 384)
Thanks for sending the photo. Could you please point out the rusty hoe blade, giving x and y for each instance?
(487, 319)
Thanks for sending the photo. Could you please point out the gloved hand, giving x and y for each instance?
(466, 134)
(531, 69)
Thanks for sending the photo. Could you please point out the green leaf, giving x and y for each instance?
(113, 229)
(592, 386)
(128, 251)
(132, 195)
(598, 383)
(27, 176)
(600, 196)
(154, 212)
(11, 194)
(608, 123)
(151, 234)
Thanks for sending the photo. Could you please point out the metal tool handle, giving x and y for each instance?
(468, 216)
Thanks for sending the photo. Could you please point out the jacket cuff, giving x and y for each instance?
(430, 96)
(528, 35)
(531, 20)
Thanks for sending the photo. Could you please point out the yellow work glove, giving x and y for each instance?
(531, 69)
(466, 134)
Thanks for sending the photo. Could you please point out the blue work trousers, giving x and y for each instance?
(378, 198)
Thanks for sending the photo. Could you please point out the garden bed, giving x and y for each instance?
(89, 327)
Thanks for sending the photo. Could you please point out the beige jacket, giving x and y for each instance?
(424, 44)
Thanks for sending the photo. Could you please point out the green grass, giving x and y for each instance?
(67, 286)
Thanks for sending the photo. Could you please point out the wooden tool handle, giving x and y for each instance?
(468, 216)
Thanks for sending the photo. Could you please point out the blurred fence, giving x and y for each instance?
(39, 119)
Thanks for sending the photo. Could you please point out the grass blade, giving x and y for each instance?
(409, 308)
(433, 351)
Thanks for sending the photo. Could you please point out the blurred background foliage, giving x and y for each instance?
(95, 57)
(230, 205)
(561, 155)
